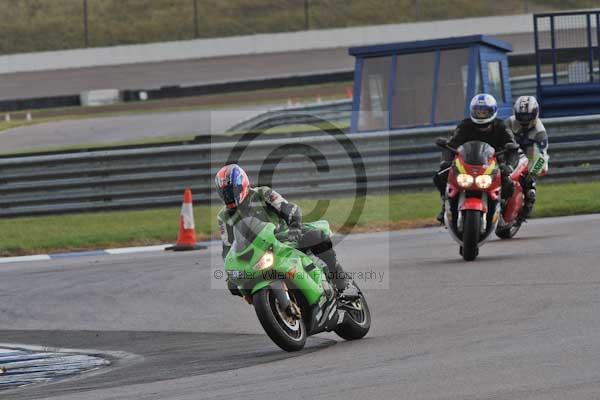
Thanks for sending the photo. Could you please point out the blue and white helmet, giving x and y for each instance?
(484, 109)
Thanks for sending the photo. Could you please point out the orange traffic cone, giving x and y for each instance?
(186, 239)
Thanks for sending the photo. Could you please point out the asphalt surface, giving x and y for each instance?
(156, 75)
(110, 130)
(192, 72)
(126, 128)
(519, 323)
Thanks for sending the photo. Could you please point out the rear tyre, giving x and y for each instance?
(471, 228)
(286, 332)
(358, 322)
(508, 232)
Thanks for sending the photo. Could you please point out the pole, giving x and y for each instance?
(86, 39)
(306, 17)
(196, 28)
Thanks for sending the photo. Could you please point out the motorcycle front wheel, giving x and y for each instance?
(285, 331)
(471, 229)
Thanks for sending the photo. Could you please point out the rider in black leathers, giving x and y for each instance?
(483, 126)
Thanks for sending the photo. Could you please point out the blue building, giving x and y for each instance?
(427, 83)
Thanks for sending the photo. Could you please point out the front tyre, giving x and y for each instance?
(358, 321)
(471, 229)
(286, 332)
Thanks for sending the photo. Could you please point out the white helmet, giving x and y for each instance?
(526, 110)
(484, 109)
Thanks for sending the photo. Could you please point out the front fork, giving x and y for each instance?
(483, 206)
(485, 201)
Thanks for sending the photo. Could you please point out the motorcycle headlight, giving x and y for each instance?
(483, 181)
(265, 262)
(464, 180)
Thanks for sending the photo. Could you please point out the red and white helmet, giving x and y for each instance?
(527, 111)
(232, 185)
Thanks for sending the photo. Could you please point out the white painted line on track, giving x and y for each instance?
(21, 367)
(42, 257)
(130, 250)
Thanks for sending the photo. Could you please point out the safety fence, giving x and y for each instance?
(303, 166)
(568, 44)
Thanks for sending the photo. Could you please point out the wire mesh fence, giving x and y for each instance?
(567, 46)
(38, 25)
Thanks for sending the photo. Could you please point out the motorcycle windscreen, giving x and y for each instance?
(476, 153)
(245, 232)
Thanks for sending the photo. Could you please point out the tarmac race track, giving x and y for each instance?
(111, 130)
(521, 322)
(193, 72)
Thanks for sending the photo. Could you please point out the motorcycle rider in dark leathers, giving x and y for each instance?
(483, 125)
(264, 203)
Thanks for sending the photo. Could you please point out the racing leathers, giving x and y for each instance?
(496, 134)
(533, 141)
(267, 205)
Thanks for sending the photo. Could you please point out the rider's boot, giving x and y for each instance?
(529, 188)
(440, 216)
(529, 203)
(341, 280)
(344, 283)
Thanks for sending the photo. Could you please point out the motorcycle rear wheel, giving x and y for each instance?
(508, 232)
(287, 333)
(471, 229)
(358, 323)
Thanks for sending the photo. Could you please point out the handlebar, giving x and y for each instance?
(443, 143)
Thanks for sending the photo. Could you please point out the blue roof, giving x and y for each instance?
(429, 45)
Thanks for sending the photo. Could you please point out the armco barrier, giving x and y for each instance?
(320, 166)
(310, 114)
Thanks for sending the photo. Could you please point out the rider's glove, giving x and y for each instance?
(294, 234)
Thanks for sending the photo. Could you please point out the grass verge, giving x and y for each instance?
(38, 25)
(21, 236)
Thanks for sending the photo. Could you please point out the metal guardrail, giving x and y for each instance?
(527, 85)
(333, 111)
(153, 177)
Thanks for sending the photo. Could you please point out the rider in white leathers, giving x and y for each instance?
(531, 135)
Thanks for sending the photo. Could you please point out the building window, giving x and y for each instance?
(374, 94)
(495, 81)
(413, 90)
(452, 85)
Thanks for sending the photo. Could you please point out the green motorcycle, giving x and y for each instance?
(289, 289)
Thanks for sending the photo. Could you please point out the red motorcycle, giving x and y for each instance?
(512, 216)
(473, 201)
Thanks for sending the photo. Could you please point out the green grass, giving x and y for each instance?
(38, 25)
(31, 235)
